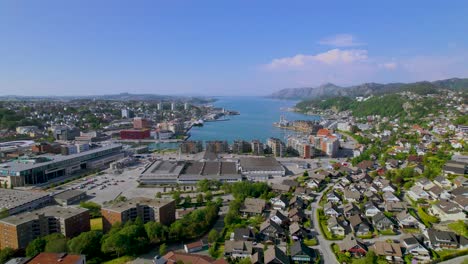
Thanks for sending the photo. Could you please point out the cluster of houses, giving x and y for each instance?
(284, 220)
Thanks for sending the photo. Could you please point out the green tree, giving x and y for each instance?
(94, 209)
(55, 243)
(176, 197)
(158, 195)
(187, 200)
(156, 231)
(200, 198)
(35, 247)
(208, 196)
(162, 249)
(213, 236)
(87, 243)
(6, 254)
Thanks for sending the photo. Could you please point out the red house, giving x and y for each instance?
(353, 246)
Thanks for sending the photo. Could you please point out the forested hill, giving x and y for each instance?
(330, 90)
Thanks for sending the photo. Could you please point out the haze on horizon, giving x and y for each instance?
(54, 47)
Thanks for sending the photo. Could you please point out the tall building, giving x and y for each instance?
(159, 106)
(257, 147)
(217, 146)
(186, 106)
(173, 106)
(141, 123)
(65, 132)
(17, 231)
(241, 147)
(277, 147)
(127, 113)
(159, 210)
(191, 147)
(177, 127)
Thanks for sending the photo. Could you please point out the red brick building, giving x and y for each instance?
(135, 134)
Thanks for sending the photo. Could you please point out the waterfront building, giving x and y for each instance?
(241, 147)
(177, 127)
(277, 147)
(257, 147)
(135, 134)
(191, 147)
(189, 172)
(261, 168)
(217, 146)
(158, 210)
(19, 230)
(164, 134)
(43, 168)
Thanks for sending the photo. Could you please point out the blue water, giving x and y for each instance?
(257, 115)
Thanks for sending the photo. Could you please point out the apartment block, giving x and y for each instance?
(19, 230)
(159, 210)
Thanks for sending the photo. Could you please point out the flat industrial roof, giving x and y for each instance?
(17, 165)
(13, 198)
(260, 163)
(125, 205)
(68, 194)
(54, 211)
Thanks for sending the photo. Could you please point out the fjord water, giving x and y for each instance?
(257, 115)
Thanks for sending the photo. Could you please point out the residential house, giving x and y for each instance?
(238, 249)
(447, 211)
(352, 196)
(418, 192)
(333, 197)
(388, 196)
(353, 245)
(414, 247)
(253, 206)
(350, 209)
(330, 209)
(301, 253)
(278, 217)
(394, 206)
(438, 239)
(442, 182)
(279, 203)
(195, 246)
(243, 234)
(297, 215)
(424, 183)
(297, 202)
(359, 226)
(382, 222)
(314, 183)
(391, 251)
(335, 227)
(370, 209)
(280, 188)
(274, 255)
(460, 181)
(271, 231)
(296, 231)
(406, 220)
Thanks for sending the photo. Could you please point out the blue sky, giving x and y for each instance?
(225, 47)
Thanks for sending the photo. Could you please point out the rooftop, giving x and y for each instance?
(260, 163)
(13, 198)
(47, 159)
(51, 258)
(131, 203)
(49, 211)
(68, 194)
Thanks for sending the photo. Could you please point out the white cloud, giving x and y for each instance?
(341, 40)
(331, 57)
(389, 65)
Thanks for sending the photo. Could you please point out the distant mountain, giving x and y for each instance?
(365, 89)
(113, 97)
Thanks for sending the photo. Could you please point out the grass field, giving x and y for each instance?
(96, 224)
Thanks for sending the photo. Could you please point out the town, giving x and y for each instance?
(341, 190)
